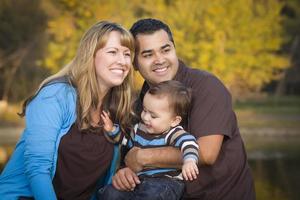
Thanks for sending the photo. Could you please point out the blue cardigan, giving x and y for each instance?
(32, 166)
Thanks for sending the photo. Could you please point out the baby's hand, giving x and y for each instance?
(190, 170)
(107, 123)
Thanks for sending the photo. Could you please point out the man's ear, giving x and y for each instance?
(176, 121)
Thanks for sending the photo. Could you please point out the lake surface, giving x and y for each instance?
(275, 164)
(274, 160)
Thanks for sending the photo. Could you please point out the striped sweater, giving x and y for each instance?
(176, 137)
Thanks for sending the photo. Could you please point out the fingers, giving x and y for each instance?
(125, 179)
(190, 171)
(108, 124)
(105, 116)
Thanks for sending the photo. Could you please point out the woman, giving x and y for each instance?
(62, 153)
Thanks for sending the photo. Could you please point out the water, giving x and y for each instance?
(276, 179)
(275, 164)
(274, 160)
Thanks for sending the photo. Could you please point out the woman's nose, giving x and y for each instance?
(122, 59)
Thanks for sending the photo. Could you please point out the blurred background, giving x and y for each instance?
(253, 46)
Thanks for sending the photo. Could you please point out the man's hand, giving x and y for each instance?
(190, 170)
(125, 179)
(133, 160)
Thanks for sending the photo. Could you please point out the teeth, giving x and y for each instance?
(160, 69)
(117, 71)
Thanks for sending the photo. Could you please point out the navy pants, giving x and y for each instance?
(149, 189)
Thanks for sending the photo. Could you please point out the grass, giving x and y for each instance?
(271, 112)
(287, 105)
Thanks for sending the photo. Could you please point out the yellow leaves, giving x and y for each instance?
(62, 28)
(234, 39)
(138, 81)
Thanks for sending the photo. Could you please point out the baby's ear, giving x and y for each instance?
(176, 121)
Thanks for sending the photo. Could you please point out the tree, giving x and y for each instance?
(20, 32)
(290, 81)
(237, 40)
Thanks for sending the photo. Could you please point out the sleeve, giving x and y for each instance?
(211, 111)
(114, 136)
(44, 119)
(187, 144)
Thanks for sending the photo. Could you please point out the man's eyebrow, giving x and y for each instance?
(150, 50)
(146, 51)
(165, 46)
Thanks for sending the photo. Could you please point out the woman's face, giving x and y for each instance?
(112, 62)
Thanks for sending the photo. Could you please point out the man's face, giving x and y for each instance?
(156, 57)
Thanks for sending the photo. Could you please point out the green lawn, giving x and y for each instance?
(270, 112)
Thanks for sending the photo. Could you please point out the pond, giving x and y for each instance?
(275, 164)
(274, 160)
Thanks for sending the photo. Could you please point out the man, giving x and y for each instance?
(224, 173)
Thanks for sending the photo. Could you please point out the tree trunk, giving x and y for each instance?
(10, 71)
(282, 84)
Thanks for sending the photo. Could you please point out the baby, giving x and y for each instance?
(165, 106)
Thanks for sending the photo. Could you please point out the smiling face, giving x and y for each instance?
(112, 62)
(157, 114)
(156, 57)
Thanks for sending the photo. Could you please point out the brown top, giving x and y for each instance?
(229, 178)
(83, 158)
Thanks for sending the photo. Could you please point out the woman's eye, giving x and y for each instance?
(112, 52)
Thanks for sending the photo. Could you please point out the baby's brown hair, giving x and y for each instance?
(178, 95)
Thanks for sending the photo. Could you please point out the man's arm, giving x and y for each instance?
(209, 148)
(138, 159)
(164, 157)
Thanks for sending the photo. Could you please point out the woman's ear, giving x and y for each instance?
(176, 121)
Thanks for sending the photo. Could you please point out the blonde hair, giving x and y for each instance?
(82, 74)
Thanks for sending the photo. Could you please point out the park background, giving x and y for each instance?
(253, 46)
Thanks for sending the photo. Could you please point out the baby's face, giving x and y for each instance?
(157, 115)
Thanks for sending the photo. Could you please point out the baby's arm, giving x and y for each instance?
(112, 131)
(189, 148)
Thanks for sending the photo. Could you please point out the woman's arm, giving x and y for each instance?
(44, 119)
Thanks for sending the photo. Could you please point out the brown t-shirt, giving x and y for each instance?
(229, 178)
(83, 158)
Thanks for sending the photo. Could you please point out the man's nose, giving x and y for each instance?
(159, 59)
